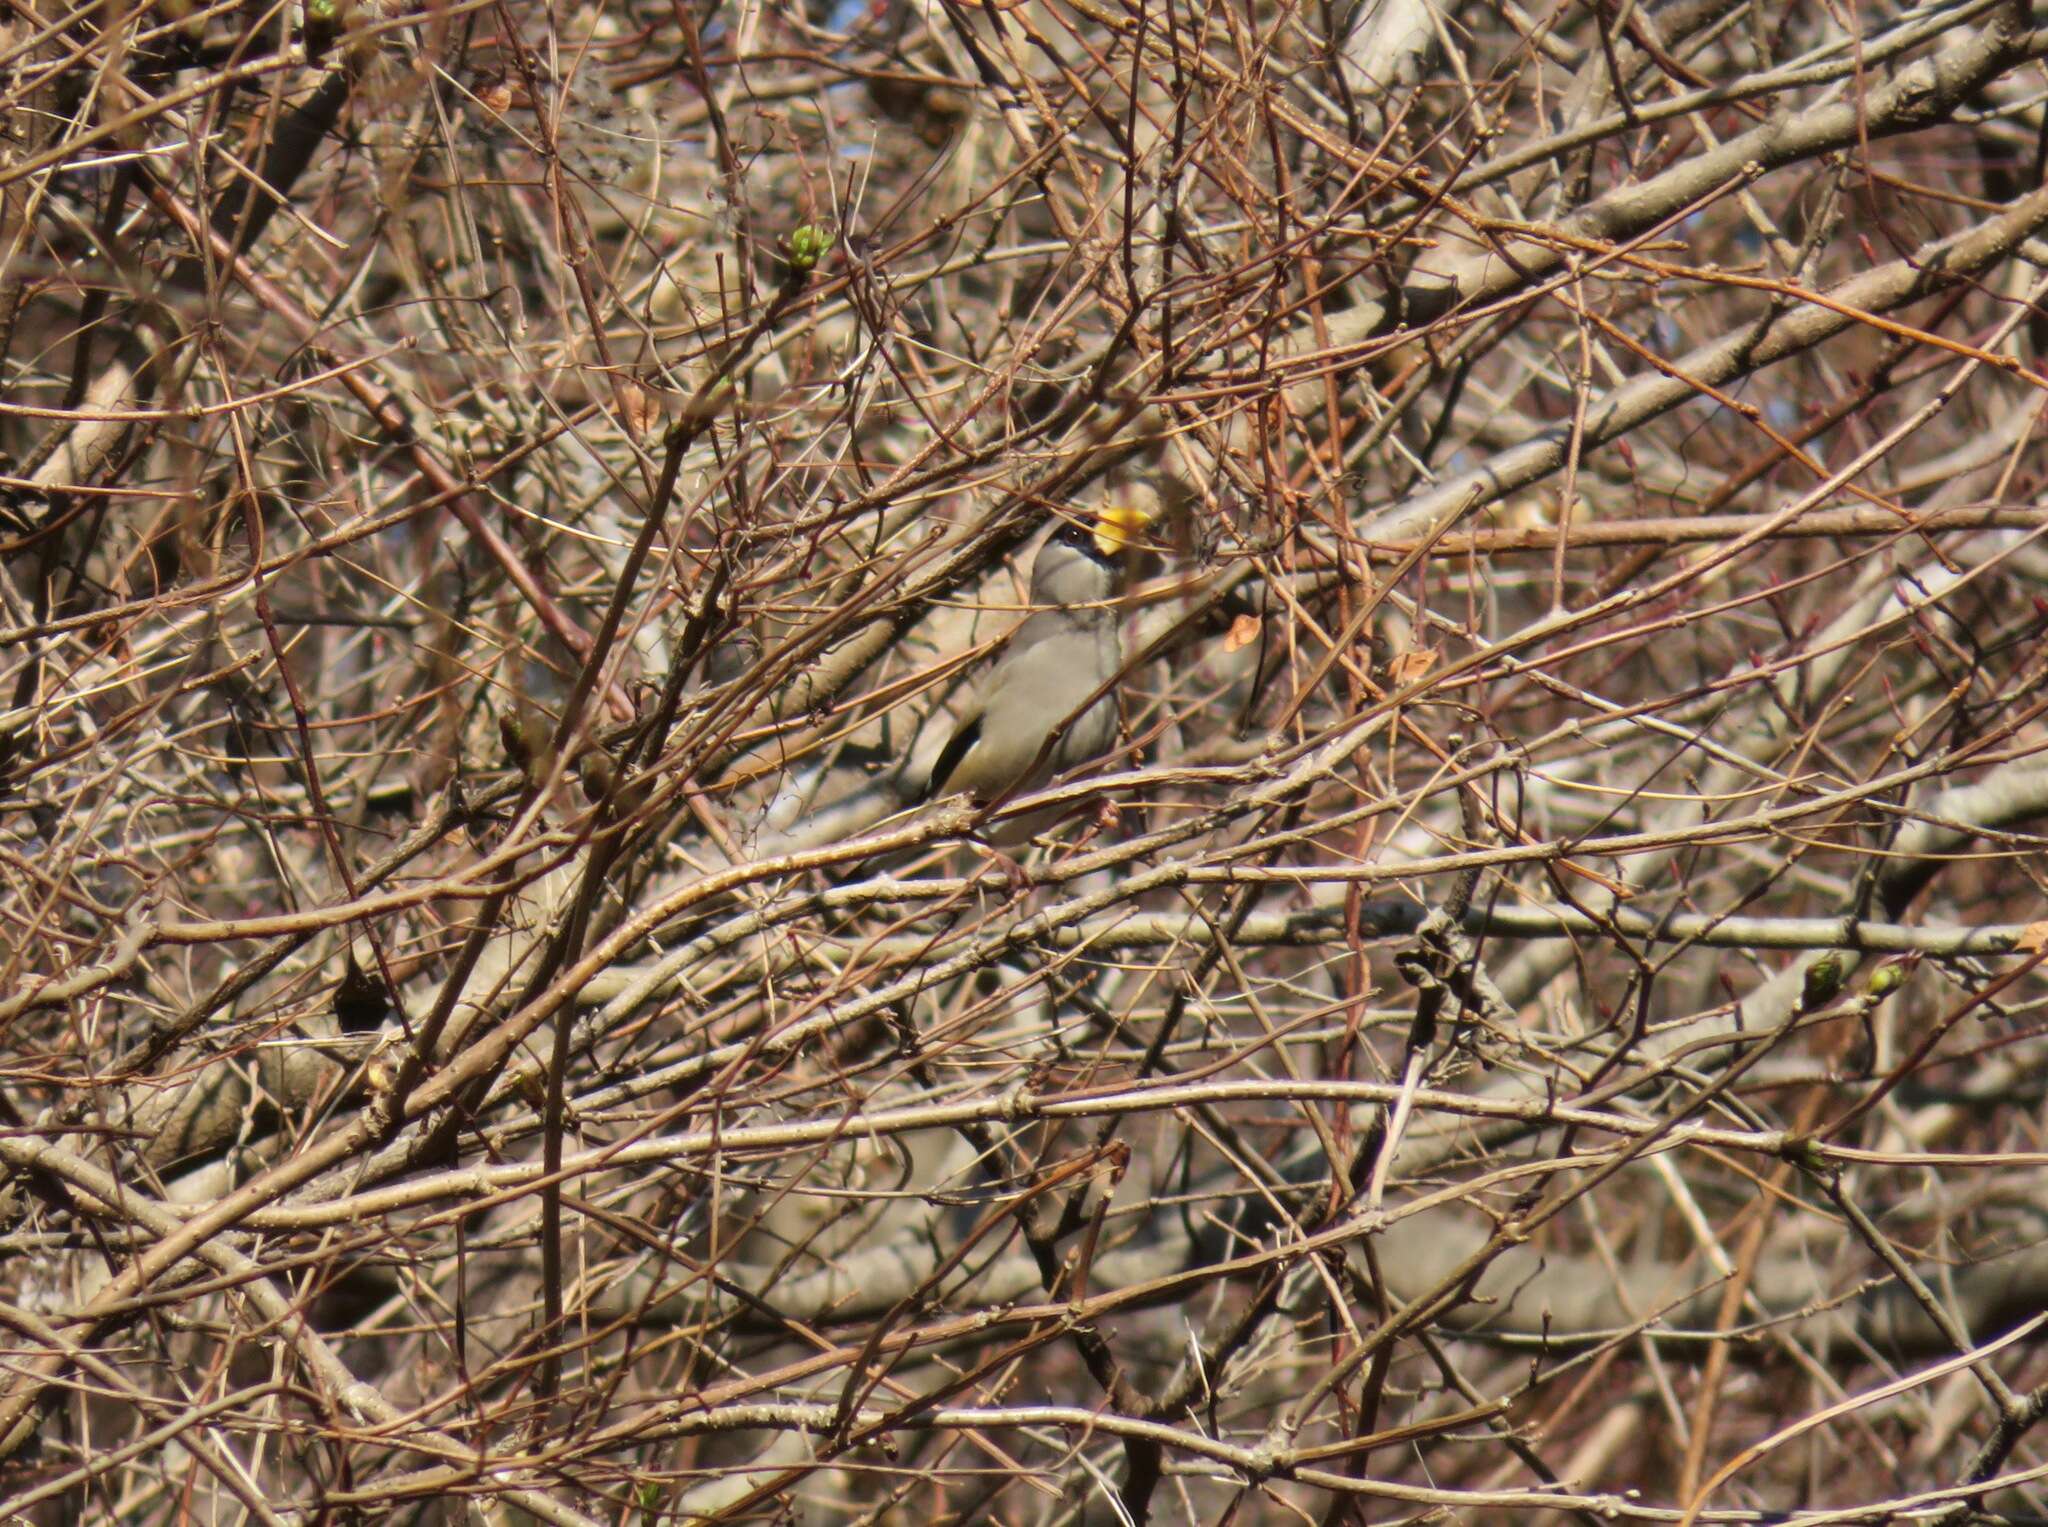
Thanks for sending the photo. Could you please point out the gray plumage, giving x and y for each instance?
(1021, 726)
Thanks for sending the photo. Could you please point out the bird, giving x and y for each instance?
(1031, 716)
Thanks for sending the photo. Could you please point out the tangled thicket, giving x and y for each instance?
(1539, 1017)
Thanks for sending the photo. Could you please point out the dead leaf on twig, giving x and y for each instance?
(1412, 665)
(1243, 632)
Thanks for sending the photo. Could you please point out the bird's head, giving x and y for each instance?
(1083, 559)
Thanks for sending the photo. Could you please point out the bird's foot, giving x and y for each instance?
(1016, 879)
(1103, 824)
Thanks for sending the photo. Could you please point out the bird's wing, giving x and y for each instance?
(1029, 689)
(956, 748)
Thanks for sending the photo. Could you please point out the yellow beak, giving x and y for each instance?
(1120, 527)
